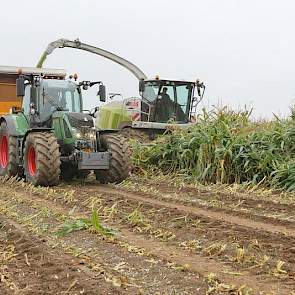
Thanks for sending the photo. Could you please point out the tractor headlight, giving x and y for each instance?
(86, 134)
(76, 133)
(90, 134)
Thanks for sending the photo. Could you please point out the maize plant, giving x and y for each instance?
(226, 146)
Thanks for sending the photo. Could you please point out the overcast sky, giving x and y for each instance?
(243, 50)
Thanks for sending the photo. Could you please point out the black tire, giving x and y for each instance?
(8, 153)
(135, 134)
(120, 165)
(42, 159)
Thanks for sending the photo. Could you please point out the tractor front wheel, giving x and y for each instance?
(8, 153)
(120, 165)
(42, 159)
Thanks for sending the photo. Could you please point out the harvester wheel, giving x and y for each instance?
(134, 134)
(42, 159)
(8, 153)
(120, 165)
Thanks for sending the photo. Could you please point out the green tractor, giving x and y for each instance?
(46, 136)
(161, 105)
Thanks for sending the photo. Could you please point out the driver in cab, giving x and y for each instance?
(164, 106)
(164, 96)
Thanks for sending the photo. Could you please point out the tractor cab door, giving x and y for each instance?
(26, 100)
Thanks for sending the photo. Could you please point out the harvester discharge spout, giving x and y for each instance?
(62, 43)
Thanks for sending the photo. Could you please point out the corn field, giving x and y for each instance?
(225, 146)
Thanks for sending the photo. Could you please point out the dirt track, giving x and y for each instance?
(170, 238)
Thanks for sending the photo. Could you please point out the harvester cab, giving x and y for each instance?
(50, 136)
(169, 101)
(162, 105)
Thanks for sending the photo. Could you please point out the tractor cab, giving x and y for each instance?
(54, 95)
(46, 98)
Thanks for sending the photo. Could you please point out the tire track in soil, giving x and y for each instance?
(277, 247)
(207, 213)
(204, 266)
(37, 269)
(206, 231)
(239, 231)
(248, 200)
(196, 263)
(242, 209)
(172, 280)
(258, 205)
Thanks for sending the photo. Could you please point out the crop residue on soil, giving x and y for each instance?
(165, 239)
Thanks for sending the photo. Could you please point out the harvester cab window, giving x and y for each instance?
(151, 91)
(165, 104)
(167, 92)
(183, 94)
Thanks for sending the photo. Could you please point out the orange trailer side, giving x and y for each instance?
(8, 98)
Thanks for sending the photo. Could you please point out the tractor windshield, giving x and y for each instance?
(170, 100)
(61, 95)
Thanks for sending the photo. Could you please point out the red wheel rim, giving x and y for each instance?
(4, 151)
(32, 161)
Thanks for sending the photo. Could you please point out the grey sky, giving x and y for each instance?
(242, 50)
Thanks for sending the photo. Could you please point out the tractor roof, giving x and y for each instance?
(9, 70)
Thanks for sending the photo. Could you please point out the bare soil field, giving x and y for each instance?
(168, 237)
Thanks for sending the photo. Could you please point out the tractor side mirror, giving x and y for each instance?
(141, 85)
(200, 85)
(102, 93)
(20, 87)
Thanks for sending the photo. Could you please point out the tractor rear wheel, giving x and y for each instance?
(8, 153)
(120, 165)
(42, 159)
